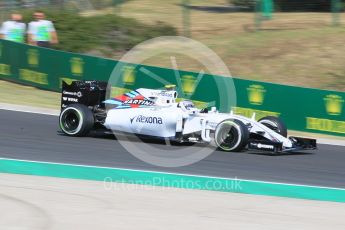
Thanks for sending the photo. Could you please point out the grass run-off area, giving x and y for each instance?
(301, 49)
(11, 93)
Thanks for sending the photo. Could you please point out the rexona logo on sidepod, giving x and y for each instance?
(146, 120)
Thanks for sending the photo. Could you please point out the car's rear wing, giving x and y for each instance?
(89, 93)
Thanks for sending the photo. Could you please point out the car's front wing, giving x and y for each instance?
(299, 143)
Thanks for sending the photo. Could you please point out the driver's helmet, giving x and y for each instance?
(187, 105)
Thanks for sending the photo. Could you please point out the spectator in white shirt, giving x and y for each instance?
(14, 29)
(41, 32)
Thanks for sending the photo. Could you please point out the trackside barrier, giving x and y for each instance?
(303, 109)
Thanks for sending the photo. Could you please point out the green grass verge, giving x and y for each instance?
(16, 94)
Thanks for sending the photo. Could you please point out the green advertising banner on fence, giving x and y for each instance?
(303, 109)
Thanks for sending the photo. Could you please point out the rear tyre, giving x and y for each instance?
(76, 120)
(274, 123)
(231, 135)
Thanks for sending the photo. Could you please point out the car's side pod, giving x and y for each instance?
(89, 93)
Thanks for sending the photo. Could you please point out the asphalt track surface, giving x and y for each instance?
(36, 137)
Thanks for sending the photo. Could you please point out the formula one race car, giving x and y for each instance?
(156, 113)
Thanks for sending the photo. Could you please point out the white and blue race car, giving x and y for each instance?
(155, 113)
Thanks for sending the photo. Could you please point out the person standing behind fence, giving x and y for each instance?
(41, 32)
(14, 29)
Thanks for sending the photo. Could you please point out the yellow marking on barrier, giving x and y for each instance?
(33, 57)
(325, 125)
(129, 75)
(67, 80)
(116, 91)
(5, 69)
(256, 94)
(33, 76)
(334, 104)
(188, 84)
(77, 66)
(249, 112)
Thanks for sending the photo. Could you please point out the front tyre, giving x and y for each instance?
(76, 120)
(231, 135)
(275, 124)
